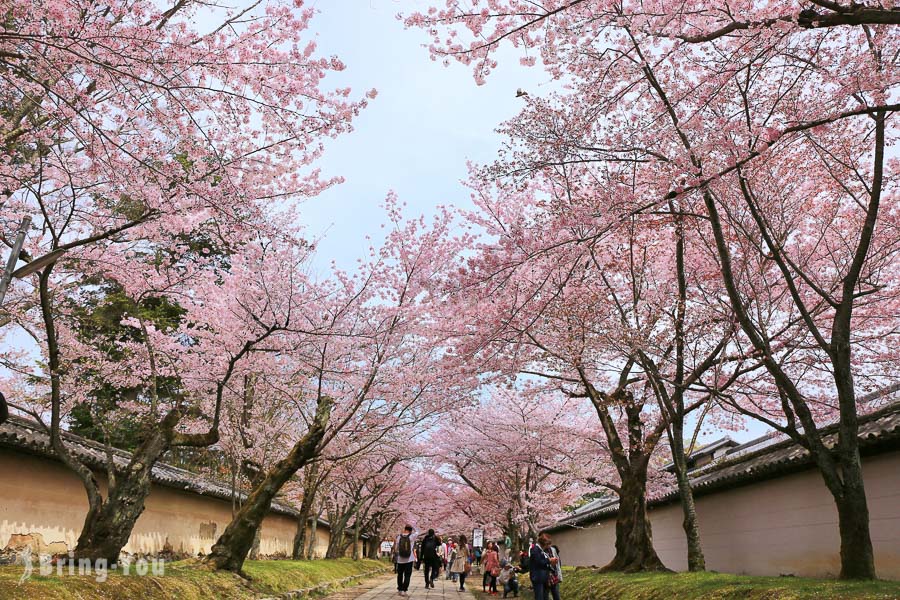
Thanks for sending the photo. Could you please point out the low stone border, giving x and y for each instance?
(324, 587)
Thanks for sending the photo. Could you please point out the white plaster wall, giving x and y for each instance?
(40, 496)
(784, 525)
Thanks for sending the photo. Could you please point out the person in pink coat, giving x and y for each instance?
(490, 562)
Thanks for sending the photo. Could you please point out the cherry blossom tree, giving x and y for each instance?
(709, 102)
(307, 496)
(360, 487)
(129, 130)
(518, 466)
(223, 326)
(366, 359)
(527, 307)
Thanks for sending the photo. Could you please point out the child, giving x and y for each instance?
(509, 580)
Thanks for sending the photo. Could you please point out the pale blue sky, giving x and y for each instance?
(416, 136)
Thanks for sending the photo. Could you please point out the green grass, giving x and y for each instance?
(186, 580)
(585, 584)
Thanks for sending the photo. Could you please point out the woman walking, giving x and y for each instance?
(461, 565)
(491, 562)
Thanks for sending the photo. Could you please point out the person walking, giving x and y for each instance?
(450, 554)
(430, 557)
(450, 557)
(448, 551)
(405, 557)
(462, 563)
(491, 566)
(543, 569)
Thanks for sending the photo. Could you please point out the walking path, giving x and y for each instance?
(385, 588)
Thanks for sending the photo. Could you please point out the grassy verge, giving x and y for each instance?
(585, 584)
(186, 580)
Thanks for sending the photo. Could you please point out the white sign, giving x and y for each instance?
(478, 538)
(386, 546)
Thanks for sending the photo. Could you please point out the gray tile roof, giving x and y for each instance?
(24, 435)
(766, 457)
(711, 448)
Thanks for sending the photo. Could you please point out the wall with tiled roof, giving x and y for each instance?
(763, 510)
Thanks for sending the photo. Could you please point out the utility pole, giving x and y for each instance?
(14, 257)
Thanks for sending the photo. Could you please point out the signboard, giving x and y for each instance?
(386, 546)
(478, 538)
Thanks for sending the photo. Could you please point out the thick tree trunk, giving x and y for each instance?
(634, 538)
(106, 531)
(230, 550)
(857, 555)
(108, 523)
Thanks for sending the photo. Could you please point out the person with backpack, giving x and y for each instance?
(404, 558)
(430, 557)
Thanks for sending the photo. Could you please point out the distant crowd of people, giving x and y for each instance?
(457, 558)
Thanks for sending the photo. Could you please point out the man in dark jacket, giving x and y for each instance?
(541, 565)
(430, 558)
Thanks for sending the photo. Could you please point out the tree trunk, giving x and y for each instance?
(299, 538)
(634, 538)
(336, 541)
(313, 535)
(106, 531)
(254, 549)
(696, 560)
(310, 487)
(857, 555)
(512, 532)
(230, 550)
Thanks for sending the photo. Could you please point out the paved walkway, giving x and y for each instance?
(385, 588)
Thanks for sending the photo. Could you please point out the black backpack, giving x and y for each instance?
(525, 563)
(404, 549)
(429, 547)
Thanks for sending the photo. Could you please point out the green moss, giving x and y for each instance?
(585, 584)
(187, 580)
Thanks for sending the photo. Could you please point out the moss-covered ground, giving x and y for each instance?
(586, 584)
(185, 580)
